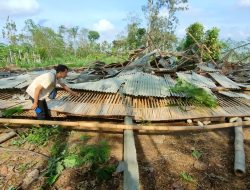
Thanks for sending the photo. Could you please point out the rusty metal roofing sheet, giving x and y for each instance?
(224, 81)
(235, 94)
(110, 85)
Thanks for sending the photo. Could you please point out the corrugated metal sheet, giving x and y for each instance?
(206, 81)
(197, 80)
(110, 85)
(235, 94)
(143, 84)
(206, 68)
(13, 82)
(224, 81)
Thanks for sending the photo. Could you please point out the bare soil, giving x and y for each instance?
(15, 165)
(162, 159)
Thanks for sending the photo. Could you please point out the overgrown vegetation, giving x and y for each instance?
(38, 136)
(96, 156)
(11, 111)
(196, 95)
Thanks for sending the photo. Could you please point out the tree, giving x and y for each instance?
(197, 32)
(205, 44)
(9, 32)
(213, 44)
(93, 36)
(162, 21)
(73, 32)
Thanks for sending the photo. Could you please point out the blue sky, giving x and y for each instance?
(108, 17)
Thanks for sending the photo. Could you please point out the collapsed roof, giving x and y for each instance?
(141, 89)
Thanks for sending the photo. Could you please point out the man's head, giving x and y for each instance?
(61, 71)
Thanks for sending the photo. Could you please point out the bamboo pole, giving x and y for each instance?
(239, 160)
(6, 136)
(100, 125)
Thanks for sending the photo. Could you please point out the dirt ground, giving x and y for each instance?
(15, 165)
(163, 160)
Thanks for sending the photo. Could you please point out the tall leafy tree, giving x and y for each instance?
(213, 44)
(9, 32)
(195, 33)
(73, 32)
(93, 36)
(162, 21)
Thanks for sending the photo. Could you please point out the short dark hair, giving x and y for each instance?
(61, 68)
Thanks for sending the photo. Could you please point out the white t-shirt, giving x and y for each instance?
(47, 80)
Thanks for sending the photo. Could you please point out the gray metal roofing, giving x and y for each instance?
(197, 79)
(110, 85)
(206, 68)
(224, 81)
(235, 94)
(143, 84)
(13, 82)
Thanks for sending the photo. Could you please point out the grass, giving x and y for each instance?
(186, 177)
(37, 136)
(11, 111)
(196, 154)
(72, 61)
(197, 95)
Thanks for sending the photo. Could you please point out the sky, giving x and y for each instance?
(108, 17)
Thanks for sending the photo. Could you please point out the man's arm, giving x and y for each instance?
(36, 96)
(65, 87)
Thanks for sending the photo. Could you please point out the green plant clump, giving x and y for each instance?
(11, 111)
(195, 94)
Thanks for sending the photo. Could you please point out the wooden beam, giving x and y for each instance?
(88, 125)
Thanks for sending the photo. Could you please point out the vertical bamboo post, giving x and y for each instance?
(239, 161)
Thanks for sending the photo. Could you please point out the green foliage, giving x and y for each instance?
(105, 173)
(161, 27)
(93, 36)
(11, 111)
(37, 136)
(84, 137)
(210, 39)
(136, 36)
(213, 44)
(185, 176)
(197, 31)
(196, 154)
(95, 154)
(23, 167)
(40, 136)
(195, 94)
(55, 162)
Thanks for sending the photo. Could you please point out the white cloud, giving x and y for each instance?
(103, 25)
(18, 7)
(244, 3)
